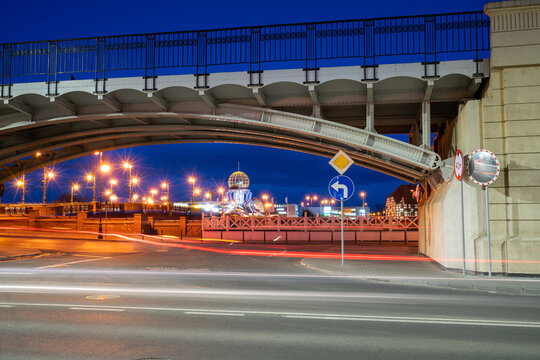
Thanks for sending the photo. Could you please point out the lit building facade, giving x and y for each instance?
(403, 201)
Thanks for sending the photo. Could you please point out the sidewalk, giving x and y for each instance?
(17, 253)
(422, 273)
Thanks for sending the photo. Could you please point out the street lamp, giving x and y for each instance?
(103, 168)
(363, 195)
(92, 178)
(128, 166)
(74, 187)
(21, 184)
(197, 192)
(48, 175)
(192, 182)
(165, 185)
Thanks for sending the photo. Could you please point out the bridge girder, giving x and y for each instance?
(228, 123)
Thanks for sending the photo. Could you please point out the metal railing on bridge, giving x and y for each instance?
(232, 223)
(368, 42)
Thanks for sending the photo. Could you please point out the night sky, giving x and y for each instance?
(280, 173)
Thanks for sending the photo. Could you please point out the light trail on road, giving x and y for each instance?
(186, 244)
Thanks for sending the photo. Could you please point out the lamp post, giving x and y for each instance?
(197, 192)
(92, 178)
(166, 185)
(47, 176)
(192, 182)
(74, 187)
(103, 168)
(21, 184)
(128, 166)
(363, 195)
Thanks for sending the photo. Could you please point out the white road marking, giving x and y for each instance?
(6, 306)
(307, 316)
(276, 239)
(213, 274)
(75, 262)
(93, 309)
(213, 313)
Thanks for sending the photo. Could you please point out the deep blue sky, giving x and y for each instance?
(278, 172)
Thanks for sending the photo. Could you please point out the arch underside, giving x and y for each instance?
(65, 138)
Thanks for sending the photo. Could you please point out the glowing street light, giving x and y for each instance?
(48, 175)
(166, 186)
(128, 166)
(102, 168)
(74, 187)
(192, 182)
(21, 184)
(91, 178)
(135, 197)
(105, 168)
(363, 195)
(196, 192)
(113, 198)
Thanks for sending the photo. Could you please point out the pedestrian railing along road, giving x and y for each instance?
(368, 42)
(232, 223)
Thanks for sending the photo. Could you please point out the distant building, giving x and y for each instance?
(335, 211)
(403, 201)
(288, 210)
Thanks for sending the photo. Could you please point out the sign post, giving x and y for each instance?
(341, 188)
(484, 168)
(458, 172)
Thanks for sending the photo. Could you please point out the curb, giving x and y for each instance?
(20, 256)
(456, 284)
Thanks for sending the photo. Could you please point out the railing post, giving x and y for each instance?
(150, 64)
(370, 68)
(430, 48)
(100, 67)
(202, 63)
(5, 67)
(255, 58)
(311, 54)
(52, 69)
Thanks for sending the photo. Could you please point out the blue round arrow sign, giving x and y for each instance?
(341, 188)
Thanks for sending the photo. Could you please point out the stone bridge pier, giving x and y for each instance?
(506, 121)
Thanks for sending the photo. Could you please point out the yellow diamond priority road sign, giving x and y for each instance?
(341, 162)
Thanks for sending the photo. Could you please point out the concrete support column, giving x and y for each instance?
(370, 109)
(426, 124)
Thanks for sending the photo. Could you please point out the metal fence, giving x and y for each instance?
(426, 38)
(233, 223)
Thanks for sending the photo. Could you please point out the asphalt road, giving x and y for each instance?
(158, 303)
